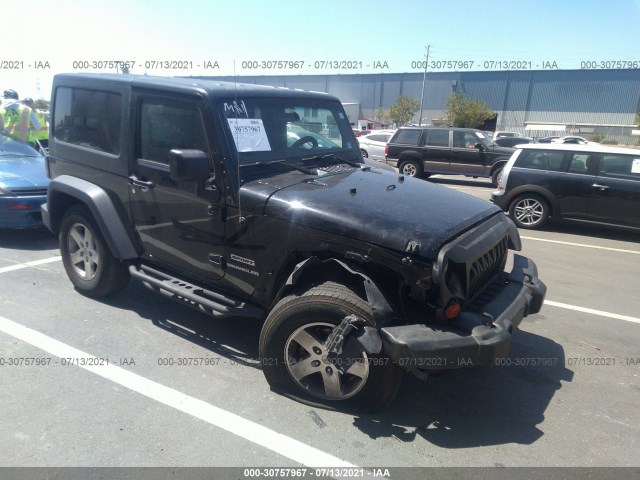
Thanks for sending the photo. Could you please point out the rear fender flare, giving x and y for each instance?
(66, 190)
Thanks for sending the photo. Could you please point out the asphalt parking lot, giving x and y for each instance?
(182, 390)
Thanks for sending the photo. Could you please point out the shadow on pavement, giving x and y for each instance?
(459, 409)
(28, 239)
(462, 181)
(235, 339)
(478, 407)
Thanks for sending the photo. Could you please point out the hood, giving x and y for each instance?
(502, 150)
(370, 205)
(22, 172)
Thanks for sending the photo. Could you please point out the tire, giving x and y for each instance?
(91, 267)
(496, 176)
(529, 211)
(364, 153)
(308, 317)
(411, 168)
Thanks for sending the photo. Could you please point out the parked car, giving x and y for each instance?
(356, 131)
(503, 134)
(512, 141)
(546, 139)
(198, 189)
(573, 139)
(422, 151)
(23, 183)
(586, 183)
(373, 145)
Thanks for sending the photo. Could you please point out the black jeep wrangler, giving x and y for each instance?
(250, 201)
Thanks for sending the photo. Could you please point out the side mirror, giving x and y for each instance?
(479, 146)
(188, 165)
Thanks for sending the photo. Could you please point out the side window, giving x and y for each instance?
(166, 124)
(620, 166)
(378, 138)
(464, 139)
(540, 160)
(438, 138)
(88, 118)
(407, 137)
(578, 163)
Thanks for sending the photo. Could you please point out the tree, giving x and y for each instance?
(467, 112)
(381, 115)
(403, 110)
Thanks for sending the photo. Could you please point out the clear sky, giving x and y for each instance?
(253, 37)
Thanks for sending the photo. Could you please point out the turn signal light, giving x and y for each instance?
(19, 206)
(452, 311)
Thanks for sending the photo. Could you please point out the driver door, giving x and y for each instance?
(177, 224)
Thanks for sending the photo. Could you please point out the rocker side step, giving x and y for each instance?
(207, 301)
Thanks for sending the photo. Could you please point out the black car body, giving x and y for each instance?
(585, 183)
(422, 151)
(512, 141)
(200, 190)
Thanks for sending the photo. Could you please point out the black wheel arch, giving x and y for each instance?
(314, 270)
(65, 191)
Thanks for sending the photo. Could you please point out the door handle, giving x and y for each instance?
(601, 187)
(133, 180)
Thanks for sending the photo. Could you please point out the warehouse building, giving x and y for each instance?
(535, 103)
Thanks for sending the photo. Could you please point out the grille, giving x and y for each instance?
(483, 269)
(29, 191)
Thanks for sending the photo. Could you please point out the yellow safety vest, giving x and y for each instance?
(43, 133)
(16, 121)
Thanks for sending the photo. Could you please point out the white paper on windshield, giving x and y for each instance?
(635, 166)
(249, 135)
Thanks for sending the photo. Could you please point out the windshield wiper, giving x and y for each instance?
(279, 162)
(333, 156)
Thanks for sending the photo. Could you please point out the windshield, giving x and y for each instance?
(485, 140)
(11, 146)
(277, 128)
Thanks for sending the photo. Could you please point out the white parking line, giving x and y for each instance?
(253, 432)
(592, 311)
(29, 264)
(583, 245)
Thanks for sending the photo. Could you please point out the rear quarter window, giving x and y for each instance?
(407, 137)
(541, 160)
(88, 118)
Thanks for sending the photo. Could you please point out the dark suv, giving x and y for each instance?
(250, 201)
(587, 183)
(422, 151)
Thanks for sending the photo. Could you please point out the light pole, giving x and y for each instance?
(424, 81)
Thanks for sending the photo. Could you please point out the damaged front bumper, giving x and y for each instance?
(480, 335)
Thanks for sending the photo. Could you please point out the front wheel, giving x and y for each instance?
(364, 153)
(295, 361)
(86, 258)
(529, 211)
(411, 168)
(496, 176)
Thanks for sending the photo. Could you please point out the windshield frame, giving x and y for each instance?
(283, 121)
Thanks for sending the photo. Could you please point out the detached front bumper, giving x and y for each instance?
(480, 335)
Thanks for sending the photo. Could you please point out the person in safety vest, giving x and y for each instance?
(41, 135)
(15, 118)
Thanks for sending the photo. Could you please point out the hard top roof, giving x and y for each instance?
(211, 88)
(590, 148)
